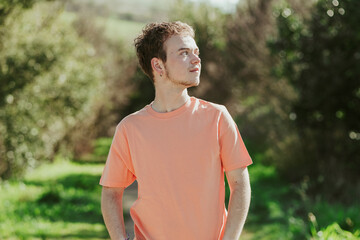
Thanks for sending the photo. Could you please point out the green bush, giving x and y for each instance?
(102, 146)
(319, 55)
(50, 80)
(333, 232)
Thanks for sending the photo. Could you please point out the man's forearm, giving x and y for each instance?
(238, 208)
(112, 210)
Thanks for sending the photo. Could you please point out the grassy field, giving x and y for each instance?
(62, 201)
(115, 29)
(57, 201)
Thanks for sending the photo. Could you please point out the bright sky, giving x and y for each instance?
(223, 2)
(227, 5)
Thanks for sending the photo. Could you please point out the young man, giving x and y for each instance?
(177, 148)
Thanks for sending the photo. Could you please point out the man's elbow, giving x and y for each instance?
(239, 180)
(241, 187)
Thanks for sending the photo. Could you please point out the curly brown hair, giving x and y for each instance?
(150, 43)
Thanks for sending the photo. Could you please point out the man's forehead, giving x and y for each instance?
(177, 42)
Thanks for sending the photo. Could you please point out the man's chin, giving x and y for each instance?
(194, 84)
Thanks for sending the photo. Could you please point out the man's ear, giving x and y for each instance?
(157, 65)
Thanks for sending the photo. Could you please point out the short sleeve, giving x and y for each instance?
(233, 151)
(118, 170)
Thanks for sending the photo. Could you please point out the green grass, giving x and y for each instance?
(56, 201)
(274, 207)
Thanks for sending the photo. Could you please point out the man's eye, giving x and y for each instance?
(184, 53)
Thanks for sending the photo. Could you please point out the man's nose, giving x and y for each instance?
(196, 59)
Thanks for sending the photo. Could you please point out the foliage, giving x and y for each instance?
(119, 79)
(135, 11)
(280, 210)
(102, 146)
(276, 211)
(332, 231)
(7, 6)
(318, 56)
(260, 102)
(142, 93)
(6, 9)
(49, 80)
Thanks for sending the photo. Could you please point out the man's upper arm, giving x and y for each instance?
(112, 191)
(238, 177)
(233, 152)
(119, 170)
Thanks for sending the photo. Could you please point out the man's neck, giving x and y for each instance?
(169, 99)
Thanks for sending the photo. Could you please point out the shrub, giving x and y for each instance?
(50, 80)
(318, 56)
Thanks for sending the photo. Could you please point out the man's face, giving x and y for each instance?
(182, 65)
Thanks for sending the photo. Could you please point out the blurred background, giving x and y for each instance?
(287, 70)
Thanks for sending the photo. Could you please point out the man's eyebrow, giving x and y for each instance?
(185, 48)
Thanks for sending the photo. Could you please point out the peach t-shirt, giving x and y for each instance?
(178, 159)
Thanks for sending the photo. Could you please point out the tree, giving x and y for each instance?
(6, 9)
(320, 58)
(7, 6)
(49, 81)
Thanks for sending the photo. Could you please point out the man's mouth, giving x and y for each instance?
(194, 70)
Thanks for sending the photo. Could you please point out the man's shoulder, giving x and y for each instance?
(139, 115)
(211, 106)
